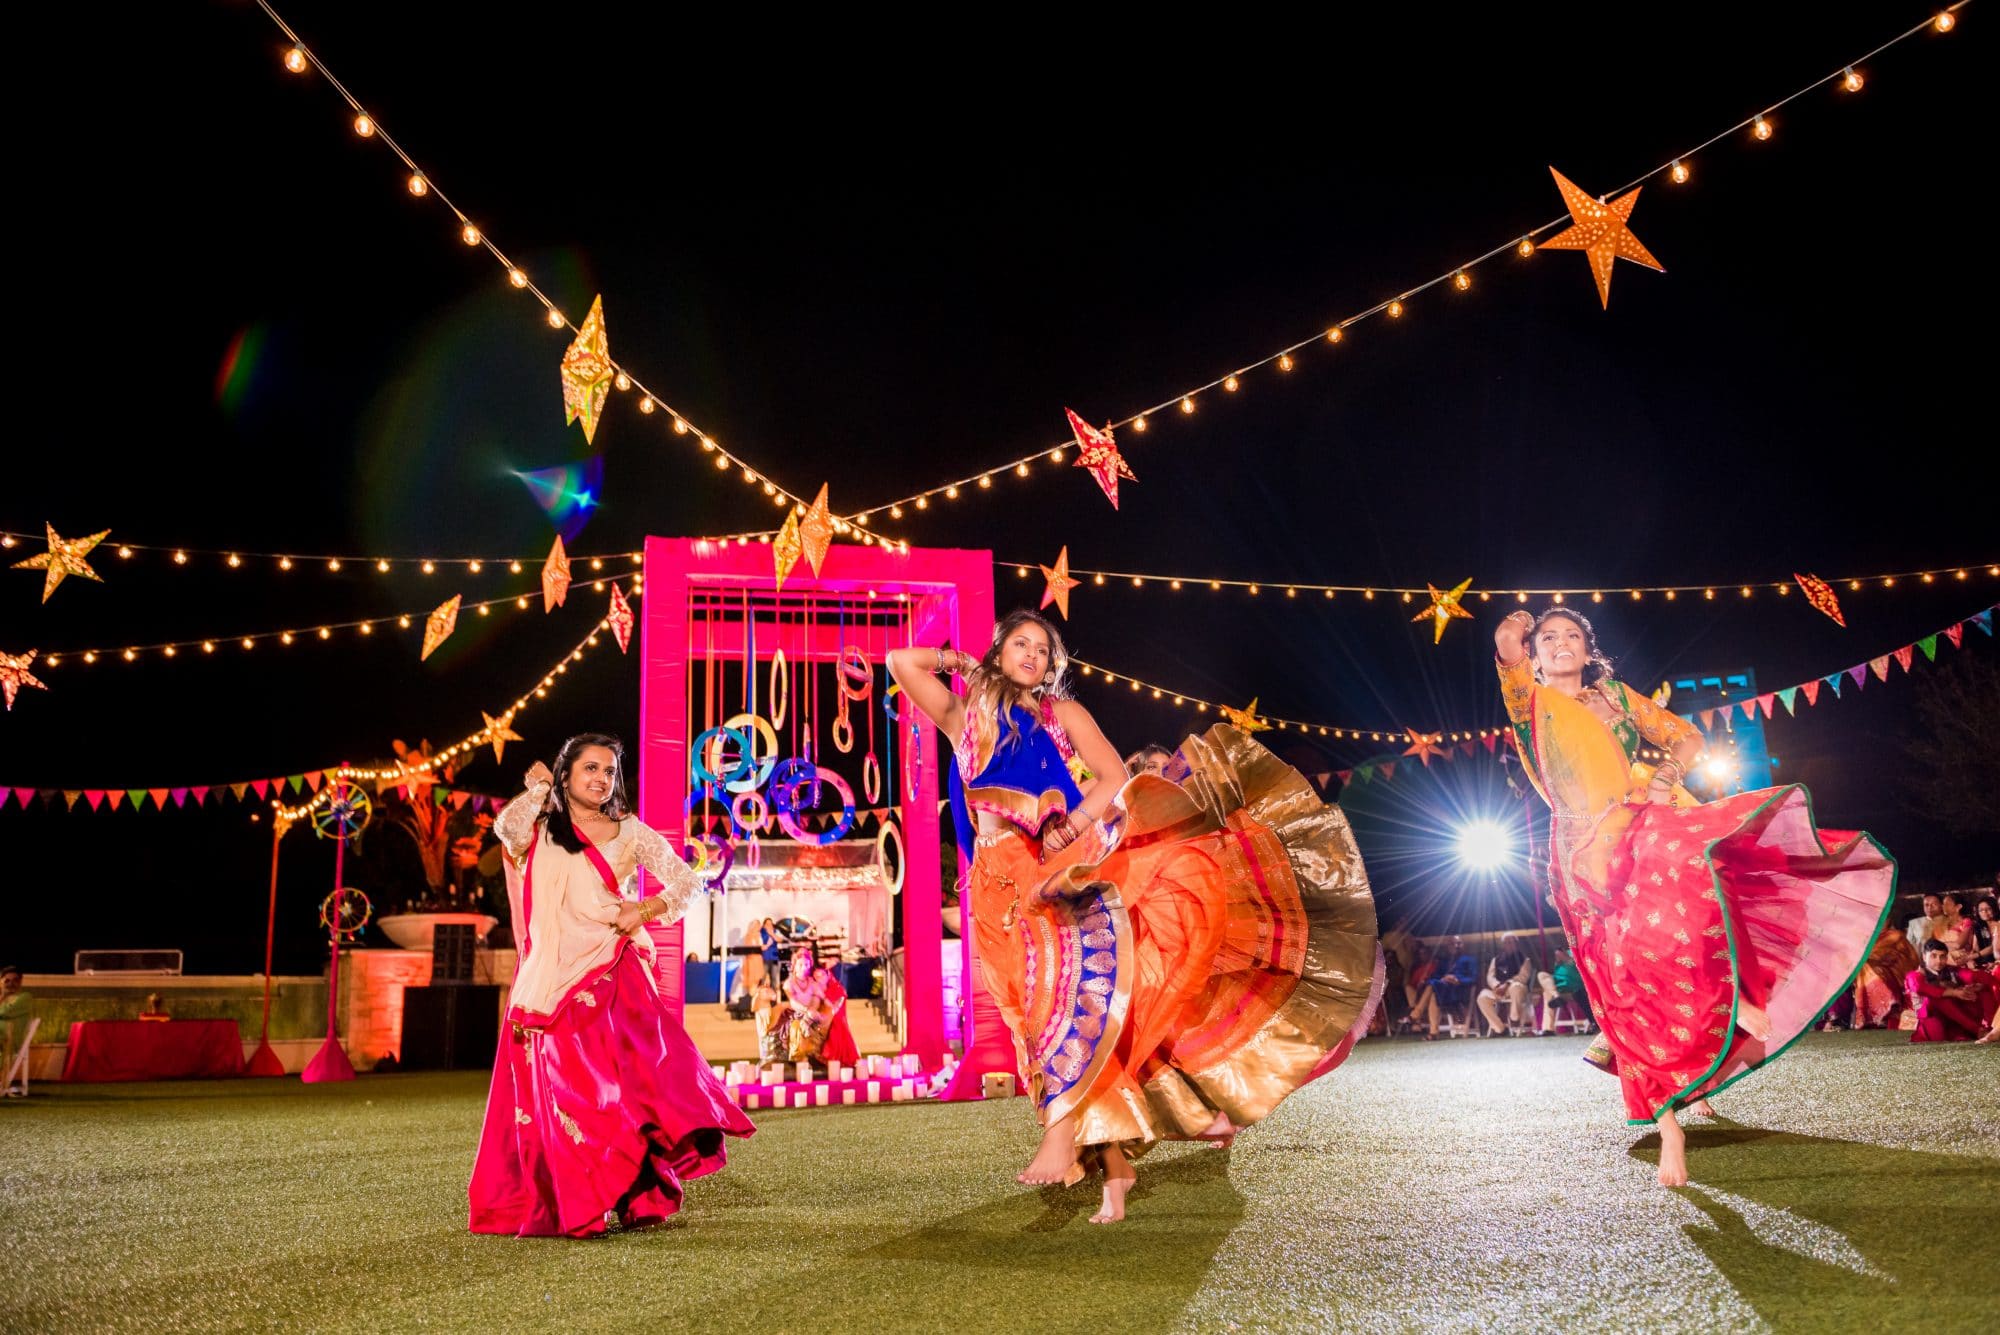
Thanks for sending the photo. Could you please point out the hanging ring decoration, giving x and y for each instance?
(789, 811)
(843, 730)
(778, 696)
(713, 859)
(751, 812)
(708, 792)
(855, 673)
(344, 913)
(753, 852)
(871, 779)
(886, 831)
(700, 764)
(788, 778)
(753, 726)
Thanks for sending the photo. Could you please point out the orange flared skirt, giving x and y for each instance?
(1208, 948)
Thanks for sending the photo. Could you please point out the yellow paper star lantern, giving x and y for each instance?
(1600, 231)
(14, 675)
(786, 549)
(65, 557)
(816, 530)
(1444, 607)
(1059, 583)
(1244, 719)
(587, 373)
(441, 623)
(500, 731)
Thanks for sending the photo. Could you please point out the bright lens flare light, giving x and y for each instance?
(1483, 845)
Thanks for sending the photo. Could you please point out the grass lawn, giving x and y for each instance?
(1462, 1186)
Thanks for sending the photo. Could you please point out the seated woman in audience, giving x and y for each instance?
(1954, 928)
(1559, 985)
(1952, 1005)
(1448, 988)
(1984, 914)
(1878, 989)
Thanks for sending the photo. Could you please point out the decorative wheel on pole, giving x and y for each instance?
(343, 816)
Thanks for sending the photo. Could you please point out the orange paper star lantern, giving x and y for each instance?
(1059, 584)
(555, 576)
(587, 373)
(1422, 747)
(1600, 231)
(1244, 719)
(441, 623)
(14, 675)
(65, 557)
(1444, 607)
(816, 530)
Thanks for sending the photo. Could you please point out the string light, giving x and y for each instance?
(1679, 173)
(1852, 80)
(1461, 280)
(556, 320)
(418, 185)
(1230, 384)
(1395, 310)
(1762, 128)
(295, 60)
(1139, 579)
(517, 278)
(364, 125)
(469, 234)
(1525, 247)
(1945, 21)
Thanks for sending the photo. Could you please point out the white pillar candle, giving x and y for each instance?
(820, 1095)
(847, 1095)
(874, 1091)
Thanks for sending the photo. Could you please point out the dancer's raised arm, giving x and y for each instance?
(917, 671)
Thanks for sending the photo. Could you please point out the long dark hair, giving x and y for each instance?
(1596, 667)
(988, 687)
(555, 811)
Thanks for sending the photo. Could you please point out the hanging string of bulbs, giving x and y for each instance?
(1632, 593)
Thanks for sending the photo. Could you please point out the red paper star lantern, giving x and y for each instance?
(1820, 594)
(1096, 451)
(1422, 747)
(14, 675)
(620, 617)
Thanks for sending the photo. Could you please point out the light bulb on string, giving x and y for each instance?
(517, 278)
(1395, 310)
(1679, 173)
(418, 185)
(1138, 424)
(1945, 21)
(1852, 80)
(1187, 404)
(1230, 384)
(1334, 335)
(556, 320)
(295, 60)
(1762, 128)
(364, 125)
(1020, 470)
(1284, 361)
(1526, 247)
(1461, 280)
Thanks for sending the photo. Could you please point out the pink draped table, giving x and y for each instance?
(105, 1050)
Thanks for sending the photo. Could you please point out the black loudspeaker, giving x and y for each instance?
(452, 944)
(450, 1028)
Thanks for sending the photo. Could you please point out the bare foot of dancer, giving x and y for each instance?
(1221, 1133)
(1673, 1152)
(1118, 1179)
(1990, 1036)
(1055, 1162)
(1753, 1021)
(1701, 1108)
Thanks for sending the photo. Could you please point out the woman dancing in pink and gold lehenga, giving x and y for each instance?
(1709, 936)
(600, 1105)
(1173, 954)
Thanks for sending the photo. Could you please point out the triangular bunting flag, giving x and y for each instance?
(200, 795)
(1956, 634)
(1345, 775)
(70, 795)
(180, 796)
(1362, 773)
(297, 781)
(1789, 698)
(439, 796)
(1764, 703)
(1811, 689)
(262, 787)
(113, 798)
(1880, 667)
(159, 796)
(1984, 621)
(1834, 681)
(96, 796)
(1859, 672)
(458, 801)
(1388, 769)
(1466, 746)
(1707, 719)
(136, 796)
(1491, 739)
(1321, 780)
(1929, 645)
(3, 797)
(23, 794)
(1904, 655)
(236, 790)
(312, 779)
(1749, 708)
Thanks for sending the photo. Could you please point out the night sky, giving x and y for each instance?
(885, 257)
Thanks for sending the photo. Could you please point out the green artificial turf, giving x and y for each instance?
(1460, 1186)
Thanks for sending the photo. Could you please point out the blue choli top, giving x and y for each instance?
(1021, 777)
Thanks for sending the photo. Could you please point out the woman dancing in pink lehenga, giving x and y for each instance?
(600, 1106)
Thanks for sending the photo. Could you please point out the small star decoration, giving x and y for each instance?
(1096, 451)
(1599, 231)
(65, 557)
(1059, 584)
(1444, 607)
(1245, 719)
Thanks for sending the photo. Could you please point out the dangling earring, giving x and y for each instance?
(1048, 682)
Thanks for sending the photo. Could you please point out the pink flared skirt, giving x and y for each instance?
(608, 1109)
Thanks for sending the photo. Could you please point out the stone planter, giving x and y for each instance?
(412, 931)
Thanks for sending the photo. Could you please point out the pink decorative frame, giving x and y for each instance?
(950, 596)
